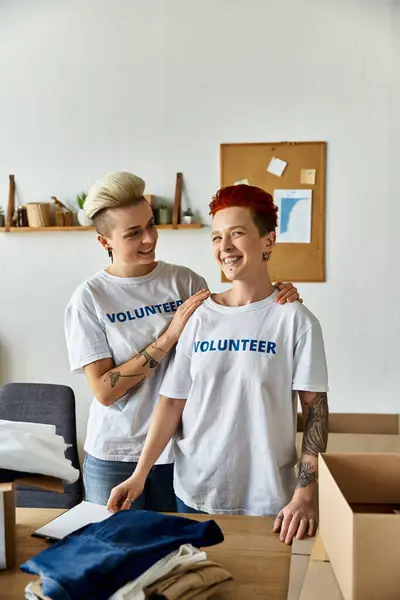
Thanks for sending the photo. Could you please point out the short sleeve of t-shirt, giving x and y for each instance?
(177, 380)
(309, 367)
(198, 283)
(84, 333)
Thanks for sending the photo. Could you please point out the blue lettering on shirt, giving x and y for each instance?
(235, 345)
(144, 311)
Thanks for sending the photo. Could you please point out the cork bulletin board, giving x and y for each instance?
(305, 172)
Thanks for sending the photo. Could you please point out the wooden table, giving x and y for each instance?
(255, 557)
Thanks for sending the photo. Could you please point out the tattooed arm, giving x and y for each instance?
(109, 383)
(297, 518)
(315, 438)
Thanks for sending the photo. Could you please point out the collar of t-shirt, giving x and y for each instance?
(137, 280)
(240, 309)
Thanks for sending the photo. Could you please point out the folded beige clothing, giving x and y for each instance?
(196, 581)
(35, 588)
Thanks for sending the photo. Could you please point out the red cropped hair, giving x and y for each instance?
(260, 203)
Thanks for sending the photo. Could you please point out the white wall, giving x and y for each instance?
(155, 87)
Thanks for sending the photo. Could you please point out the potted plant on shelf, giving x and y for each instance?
(188, 216)
(2, 218)
(82, 218)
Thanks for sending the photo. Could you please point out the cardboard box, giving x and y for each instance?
(7, 513)
(306, 578)
(358, 526)
(359, 433)
(7, 525)
(320, 582)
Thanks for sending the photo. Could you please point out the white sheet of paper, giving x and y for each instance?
(294, 216)
(80, 515)
(308, 176)
(276, 166)
(242, 182)
(3, 561)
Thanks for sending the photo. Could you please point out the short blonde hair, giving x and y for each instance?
(113, 191)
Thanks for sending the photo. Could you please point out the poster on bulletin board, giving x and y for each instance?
(294, 173)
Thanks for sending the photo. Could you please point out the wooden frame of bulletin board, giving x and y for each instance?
(249, 162)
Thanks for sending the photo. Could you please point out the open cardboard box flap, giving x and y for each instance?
(363, 547)
(366, 478)
(7, 519)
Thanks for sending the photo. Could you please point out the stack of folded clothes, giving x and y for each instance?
(33, 448)
(130, 556)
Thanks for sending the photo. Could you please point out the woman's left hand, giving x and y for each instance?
(287, 293)
(296, 520)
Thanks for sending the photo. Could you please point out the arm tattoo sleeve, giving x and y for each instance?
(315, 436)
(134, 387)
(156, 347)
(149, 360)
(114, 376)
(307, 475)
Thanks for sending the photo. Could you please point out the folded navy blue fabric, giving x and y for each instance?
(98, 559)
(7, 475)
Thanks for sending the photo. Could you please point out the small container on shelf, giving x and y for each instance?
(22, 216)
(68, 218)
(163, 215)
(59, 216)
(39, 214)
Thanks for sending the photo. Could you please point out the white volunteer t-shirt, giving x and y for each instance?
(117, 317)
(238, 368)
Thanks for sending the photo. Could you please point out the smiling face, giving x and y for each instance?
(237, 244)
(132, 234)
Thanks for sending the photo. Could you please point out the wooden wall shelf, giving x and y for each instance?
(79, 228)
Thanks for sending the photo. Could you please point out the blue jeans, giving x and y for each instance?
(102, 557)
(100, 476)
(184, 508)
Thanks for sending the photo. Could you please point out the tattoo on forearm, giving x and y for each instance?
(307, 475)
(315, 436)
(134, 387)
(152, 362)
(114, 377)
(156, 347)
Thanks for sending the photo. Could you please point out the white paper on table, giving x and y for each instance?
(3, 561)
(80, 515)
(276, 166)
(242, 182)
(294, 216)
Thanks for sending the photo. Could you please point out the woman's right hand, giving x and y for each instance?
(184, 312)
(125, 493)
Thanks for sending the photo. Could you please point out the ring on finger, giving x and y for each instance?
(129, 501)
(280, 517)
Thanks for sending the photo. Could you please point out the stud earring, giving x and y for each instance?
(267, 255)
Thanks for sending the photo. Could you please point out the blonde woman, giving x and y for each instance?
(121, 326)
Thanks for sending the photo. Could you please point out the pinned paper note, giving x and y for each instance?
(308, 176)
(294, 216)
(242, 182)
(276, 166)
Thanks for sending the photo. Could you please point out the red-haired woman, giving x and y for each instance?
(228, 396)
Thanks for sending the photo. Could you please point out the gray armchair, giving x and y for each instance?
(53, 405)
